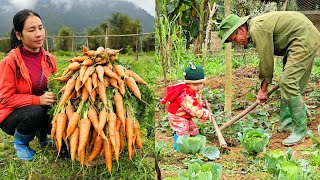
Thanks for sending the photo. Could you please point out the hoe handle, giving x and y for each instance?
(222, 142)
(246, 111)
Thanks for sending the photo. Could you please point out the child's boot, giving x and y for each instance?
(175, 138)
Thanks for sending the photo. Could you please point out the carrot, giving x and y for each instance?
(74, 66)
(54, 126)
(62, 89)
(102, 120)
(108, 154)
(96, 148)
(103, 61)
(81, 156)
(92, 139)
(72, 95)
(84, 95)
(93, 96)
(62, 79)
(87, 74)
(73, 122)
(100, 72)
(114, 82)
(82, 71)
(94, 78)
(65, 72)
(120, 70)
(136, 77)
(74, 142)
(69, 110)
(131, 83)
(102, 93)
(118, 125)
(67, 92)
(90, 53)
(84, 130)
(77, 86)
(106, 81)
(113, 58)
(79, 59)
(112, 120)
(112, 52)
(122, 137)
(136, 129)
(117, 148)
(88, 62)
(99, 50)
(118, 101)
(88, 85)
(109, 65)
(94, 119)
(110, 73)
(122, 87)
(84, 49)
(61, 125)
(129, 135)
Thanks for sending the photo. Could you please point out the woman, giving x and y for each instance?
(24, 74)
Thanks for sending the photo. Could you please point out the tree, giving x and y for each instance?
(64, 43)
(120, 24)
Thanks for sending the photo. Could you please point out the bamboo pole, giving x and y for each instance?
(228, 76)
(137, 50)
(206, 41)
(164, 67)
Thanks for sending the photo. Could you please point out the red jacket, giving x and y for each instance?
(15, 82)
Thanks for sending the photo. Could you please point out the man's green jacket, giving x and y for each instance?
(283, 33)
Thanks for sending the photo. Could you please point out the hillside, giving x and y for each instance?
(79, 16)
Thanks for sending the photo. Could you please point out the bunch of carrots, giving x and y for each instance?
(93, 116)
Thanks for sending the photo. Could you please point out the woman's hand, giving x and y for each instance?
(47, 99)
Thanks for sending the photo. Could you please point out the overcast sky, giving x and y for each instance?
(147, 5)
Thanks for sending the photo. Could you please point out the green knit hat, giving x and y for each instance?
(229, 25)
(194, 74)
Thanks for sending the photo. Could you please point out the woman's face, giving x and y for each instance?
(33, 34)
(196, 86)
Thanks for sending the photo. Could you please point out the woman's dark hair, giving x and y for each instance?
(18, 24)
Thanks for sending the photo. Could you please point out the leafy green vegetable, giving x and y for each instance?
(254, 140)
(211, 153)
(290, 171)
(191, 145)
(275, 158)
(207, 171)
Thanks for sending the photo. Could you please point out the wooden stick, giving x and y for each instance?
(222, 142)
(246, 111)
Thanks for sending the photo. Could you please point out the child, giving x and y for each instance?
(185, 103)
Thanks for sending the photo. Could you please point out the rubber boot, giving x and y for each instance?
(175, 138)
(285, 117)
(21, 144)
(298, 113)
(43, 138)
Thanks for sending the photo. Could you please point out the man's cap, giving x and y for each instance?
(229, 25)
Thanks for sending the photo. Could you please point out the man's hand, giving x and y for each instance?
(262, 96)
(47, 99)
(263, 93)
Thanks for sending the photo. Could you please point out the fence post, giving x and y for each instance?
(137, 50)
(72, 44)
(106, 39)
(87, 42)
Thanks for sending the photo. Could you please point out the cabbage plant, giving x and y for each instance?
(191, 145)
(254, 140)
(290, 171)
(275, 158)
(196, 171)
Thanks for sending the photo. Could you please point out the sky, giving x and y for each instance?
(147, 5)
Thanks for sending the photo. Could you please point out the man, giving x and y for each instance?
(283, 33)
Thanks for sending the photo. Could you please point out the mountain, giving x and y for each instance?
(79, 16)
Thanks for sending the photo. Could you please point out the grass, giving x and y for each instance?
(46, 166)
